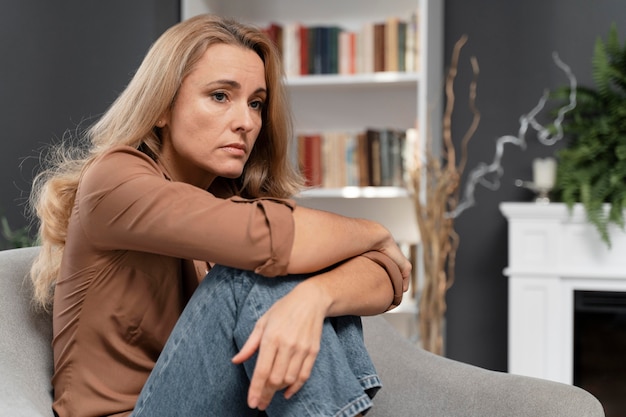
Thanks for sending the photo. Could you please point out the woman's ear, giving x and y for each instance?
(163, 120)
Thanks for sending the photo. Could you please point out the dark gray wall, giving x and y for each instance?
(513, 42)
(63, 63)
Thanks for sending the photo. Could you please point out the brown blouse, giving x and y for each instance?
(125, 275)
(128, 270)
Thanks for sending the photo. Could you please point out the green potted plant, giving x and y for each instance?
(15, 238)
(592, 167)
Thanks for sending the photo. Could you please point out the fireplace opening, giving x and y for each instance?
(600, 347)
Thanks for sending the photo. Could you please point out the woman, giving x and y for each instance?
(188, 173)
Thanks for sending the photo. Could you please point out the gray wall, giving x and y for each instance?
(62, 63)
(513, 42)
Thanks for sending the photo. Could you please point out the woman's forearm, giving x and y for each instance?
(358, 286)
(322, 239)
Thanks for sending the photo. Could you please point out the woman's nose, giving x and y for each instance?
(244, 118)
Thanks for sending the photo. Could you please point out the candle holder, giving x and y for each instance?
(544, 175)
(542, 194)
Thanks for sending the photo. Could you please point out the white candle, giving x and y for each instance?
(544, 173)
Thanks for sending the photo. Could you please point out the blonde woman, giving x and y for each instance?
(188, 173)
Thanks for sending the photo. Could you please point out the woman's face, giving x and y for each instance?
(213, 124)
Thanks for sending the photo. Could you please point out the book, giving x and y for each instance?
(366, 49)
(402, 26)
(310, 50)
(384, 140)
(332, 50)
(379, 47)
(304, 50)
(391, 44)
(322, 50)
(291, 49)
(364, 159)
(347, 52)
(373, 149)
(310, 159)
(412, 44)
(333, 158)
(351, 150)
(275, 32)
(396, 155)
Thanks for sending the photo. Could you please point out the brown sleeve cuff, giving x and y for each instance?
(279, 219)
(394, 274)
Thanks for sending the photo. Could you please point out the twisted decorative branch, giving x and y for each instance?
(439, 185)
(482, 172)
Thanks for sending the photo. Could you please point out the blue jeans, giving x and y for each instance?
(194, 375)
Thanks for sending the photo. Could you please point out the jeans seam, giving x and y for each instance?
(358, 405)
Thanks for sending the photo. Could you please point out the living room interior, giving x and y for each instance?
(65, 63)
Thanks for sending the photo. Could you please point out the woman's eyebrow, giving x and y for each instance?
(231, 83)
(235, 85)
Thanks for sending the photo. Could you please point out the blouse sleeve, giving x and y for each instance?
(125, 203)
(393, 271)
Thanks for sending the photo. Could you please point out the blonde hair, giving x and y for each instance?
(131, 121)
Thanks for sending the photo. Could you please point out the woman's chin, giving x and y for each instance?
(232, 174)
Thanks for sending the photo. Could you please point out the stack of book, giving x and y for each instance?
(389, 45)
(374, 157)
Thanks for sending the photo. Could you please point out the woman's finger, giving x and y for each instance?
(250, 347)
(303, 374)
(260, 393)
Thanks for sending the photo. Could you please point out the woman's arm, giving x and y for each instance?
(322, 239)
(361, 286)
(125, 203)
(288, 335)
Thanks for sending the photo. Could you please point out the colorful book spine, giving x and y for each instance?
(391, 44)
(374, 157)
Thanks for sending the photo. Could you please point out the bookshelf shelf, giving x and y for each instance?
(356, 192)
(372, 80)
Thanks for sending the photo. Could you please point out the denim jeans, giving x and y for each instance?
(194, 375)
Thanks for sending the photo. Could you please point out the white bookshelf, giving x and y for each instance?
(321, 103)
(355, 102)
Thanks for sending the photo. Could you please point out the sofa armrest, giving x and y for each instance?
(418, 383)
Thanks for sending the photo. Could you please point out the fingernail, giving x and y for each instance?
(253, 402)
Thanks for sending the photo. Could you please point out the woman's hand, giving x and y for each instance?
(288, 338)
(288, 335)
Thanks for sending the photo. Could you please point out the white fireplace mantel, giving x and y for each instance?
(551, 255)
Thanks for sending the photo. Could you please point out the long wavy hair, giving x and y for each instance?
(131, 121)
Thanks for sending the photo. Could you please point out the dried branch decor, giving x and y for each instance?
(435, 180)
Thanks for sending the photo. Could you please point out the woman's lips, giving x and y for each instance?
(235, 149)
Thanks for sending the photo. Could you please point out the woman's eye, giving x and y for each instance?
(257, 105)
(219, 97)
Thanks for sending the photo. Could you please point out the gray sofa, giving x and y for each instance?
(417, 383)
